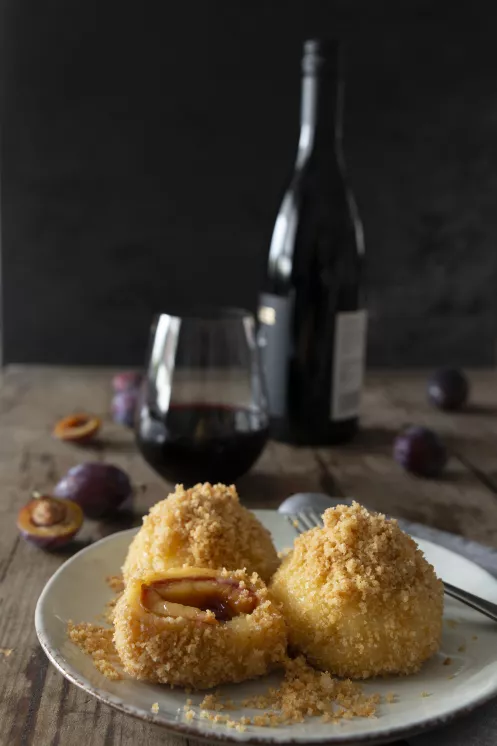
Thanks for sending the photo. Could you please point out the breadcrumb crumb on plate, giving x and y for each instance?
(79, 592)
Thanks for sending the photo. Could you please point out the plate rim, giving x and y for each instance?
(187, 731)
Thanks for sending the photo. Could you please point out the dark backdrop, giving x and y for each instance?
(145, 146)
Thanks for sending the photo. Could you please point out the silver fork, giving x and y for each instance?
(307, 519)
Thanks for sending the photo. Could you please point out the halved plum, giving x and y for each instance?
(48, 522)
(77, 428)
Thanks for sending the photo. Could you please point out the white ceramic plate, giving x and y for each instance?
(78, 591)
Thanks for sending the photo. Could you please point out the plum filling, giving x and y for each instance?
(211, 600)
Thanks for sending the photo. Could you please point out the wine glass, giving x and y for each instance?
(202, 413)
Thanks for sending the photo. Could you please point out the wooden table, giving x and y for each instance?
(37, 705)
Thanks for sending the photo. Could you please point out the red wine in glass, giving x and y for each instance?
(202, 442)
(202, 412)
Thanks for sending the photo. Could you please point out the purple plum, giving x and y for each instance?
(420, 451)
(98, 488)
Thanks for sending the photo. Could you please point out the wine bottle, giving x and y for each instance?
(312, 324)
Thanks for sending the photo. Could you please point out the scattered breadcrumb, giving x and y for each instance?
(97, 642)
(452, 676)
(461, 648)
(475, 637)
(115, 582)
(212, 702)
(216, 701)
(426, 694)
(447, 662)
(390, 697)
(451, 623)
(155, 707)
(304, 692)
(108, 615)
(189, 715)
(6, 652)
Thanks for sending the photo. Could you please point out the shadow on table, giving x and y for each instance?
(374, 439)
(115, 445)
(479, 409)
(261, 490)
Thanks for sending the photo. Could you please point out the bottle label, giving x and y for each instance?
(348, 364)
(275, 315)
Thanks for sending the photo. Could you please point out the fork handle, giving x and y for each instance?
(485, 607)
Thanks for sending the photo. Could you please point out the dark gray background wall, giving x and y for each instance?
(144, 149)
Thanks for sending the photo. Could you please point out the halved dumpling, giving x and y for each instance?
(198, 628)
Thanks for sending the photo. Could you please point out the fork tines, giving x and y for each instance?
(305, 520)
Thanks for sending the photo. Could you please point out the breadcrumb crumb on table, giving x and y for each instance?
(155, 707)
(6, 652)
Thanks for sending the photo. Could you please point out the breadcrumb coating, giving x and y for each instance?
(183, 652)
(204, 526)
(359, 597)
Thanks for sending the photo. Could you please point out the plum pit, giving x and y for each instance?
(48, 522)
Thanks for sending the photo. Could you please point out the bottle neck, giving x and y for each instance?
(320, 118)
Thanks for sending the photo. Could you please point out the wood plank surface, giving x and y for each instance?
(37, 705)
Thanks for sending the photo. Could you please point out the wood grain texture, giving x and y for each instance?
(37, 705)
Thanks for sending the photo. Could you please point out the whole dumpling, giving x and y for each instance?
(359, 597)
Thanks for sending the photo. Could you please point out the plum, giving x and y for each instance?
(448, 389)
(98, 488)
(420, 451)
(77, 428)
(48, 522)
(123, 407)
(126, 381)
